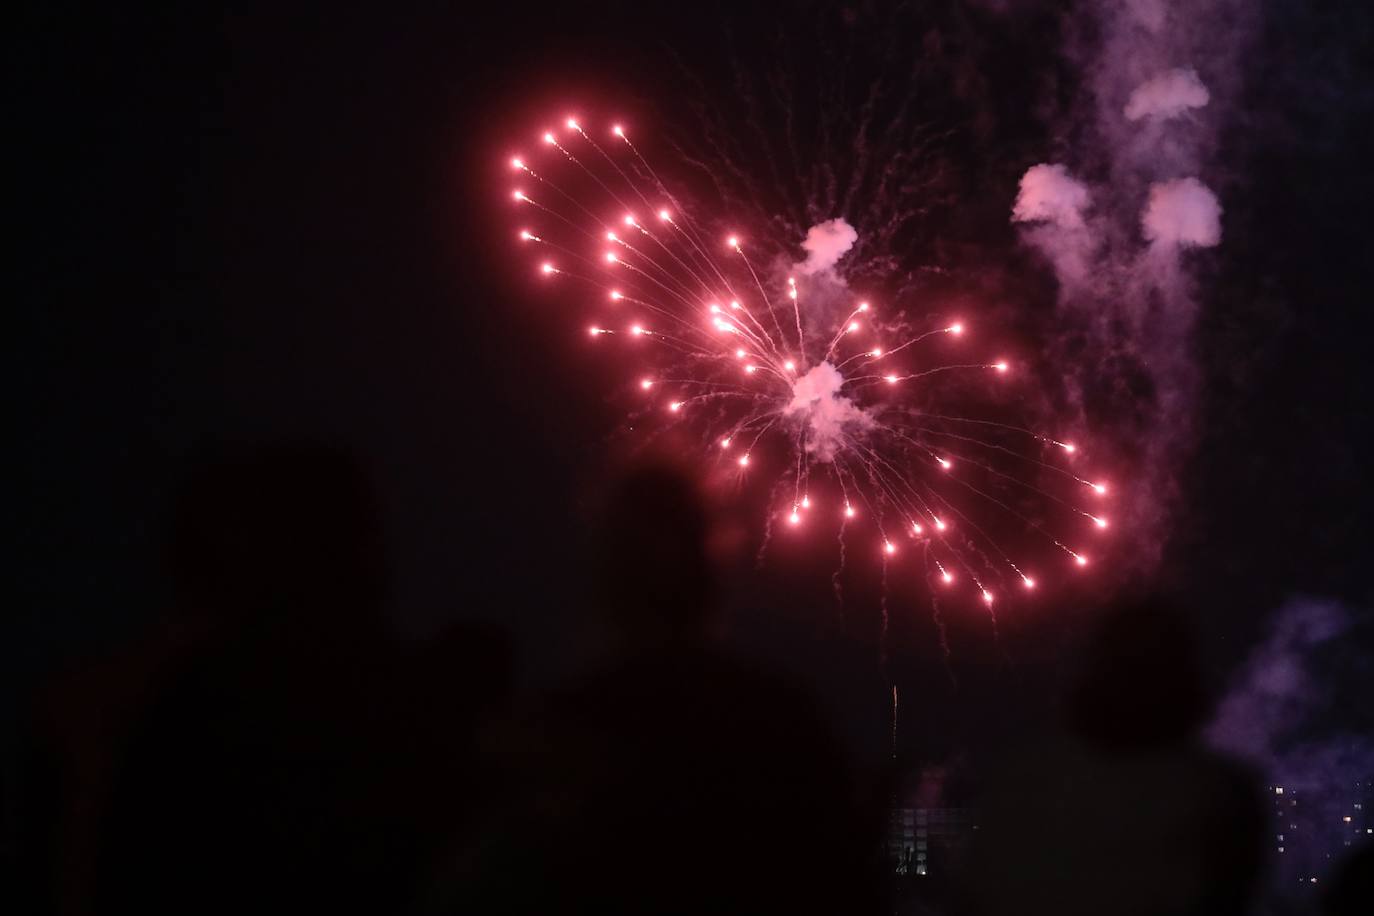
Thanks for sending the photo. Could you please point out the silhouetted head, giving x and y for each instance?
(651, 560)
(1139, 685)
(289, 530)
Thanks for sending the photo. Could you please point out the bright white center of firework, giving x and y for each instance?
(827, 415)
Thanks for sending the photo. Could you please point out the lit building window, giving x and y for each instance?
(1280, 849)
(1278, 790)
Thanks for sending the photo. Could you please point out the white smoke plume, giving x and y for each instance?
(1050, 194)
(1122, 215)
(825, 244)
(1182, 212)
(1054, 202)
(828, 415)
(824, 415)
(1167, 96)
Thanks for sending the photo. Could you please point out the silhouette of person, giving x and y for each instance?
(678, 777)
(1126, 812)
(84, 716)
(290, 764)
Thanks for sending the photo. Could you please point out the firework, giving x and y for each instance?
(835, 404)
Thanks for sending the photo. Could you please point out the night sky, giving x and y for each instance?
(255, 226)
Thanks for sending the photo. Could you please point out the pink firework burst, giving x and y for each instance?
(837, 405)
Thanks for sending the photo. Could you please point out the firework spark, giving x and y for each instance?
(820, 401)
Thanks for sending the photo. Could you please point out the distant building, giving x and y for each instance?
(1313, 830)
(926, 841)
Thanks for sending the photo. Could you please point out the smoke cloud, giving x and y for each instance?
(827, 414)
(1120, 218)
(1049, 194)
(825, 244)
(1182, 212)
(1055, 201)
(1277, 688)
(1167, 96)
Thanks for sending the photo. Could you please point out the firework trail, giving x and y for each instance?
(840, 410)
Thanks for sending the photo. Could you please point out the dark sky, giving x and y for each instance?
(266, 225)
